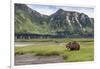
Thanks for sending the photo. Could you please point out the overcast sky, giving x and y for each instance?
(50, 9)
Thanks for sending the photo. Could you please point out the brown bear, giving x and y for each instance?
(73, 46)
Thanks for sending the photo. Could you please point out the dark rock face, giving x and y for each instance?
(61, 22)
(71, 21)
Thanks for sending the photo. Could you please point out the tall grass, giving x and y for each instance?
(42, 50)
(85, 54)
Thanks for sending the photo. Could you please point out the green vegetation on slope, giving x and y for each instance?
(25, 24)
(28, 20)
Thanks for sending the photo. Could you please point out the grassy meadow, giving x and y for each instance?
(57, 48)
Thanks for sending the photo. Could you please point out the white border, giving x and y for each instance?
(42, 66)
(12, 35)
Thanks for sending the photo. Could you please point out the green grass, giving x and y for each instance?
(86, 52)
(40, 50)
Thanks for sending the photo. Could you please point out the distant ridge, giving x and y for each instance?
(61, 22)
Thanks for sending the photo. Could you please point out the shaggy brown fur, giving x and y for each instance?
(73, 46)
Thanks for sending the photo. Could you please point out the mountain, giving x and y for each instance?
(61, 22)
(28, 20)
